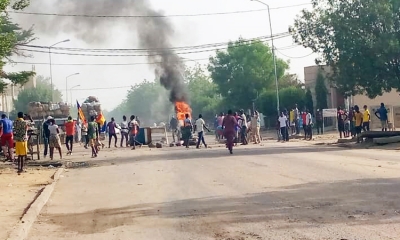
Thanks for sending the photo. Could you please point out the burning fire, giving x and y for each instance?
(181, 109)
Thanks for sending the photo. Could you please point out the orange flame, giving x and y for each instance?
(182, 109)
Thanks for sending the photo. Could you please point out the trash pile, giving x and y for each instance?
(91, 107)
(41, 110)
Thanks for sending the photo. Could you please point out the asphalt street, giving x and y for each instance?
(274, 191)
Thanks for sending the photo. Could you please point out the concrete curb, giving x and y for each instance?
(21, 230)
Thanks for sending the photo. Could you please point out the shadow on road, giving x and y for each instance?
(357, 202)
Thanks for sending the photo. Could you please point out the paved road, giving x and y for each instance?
(276, 191)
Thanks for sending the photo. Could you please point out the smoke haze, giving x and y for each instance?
(151, 33)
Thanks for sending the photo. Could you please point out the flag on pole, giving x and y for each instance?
(80, 112)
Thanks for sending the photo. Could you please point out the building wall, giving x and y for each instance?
(310, 77)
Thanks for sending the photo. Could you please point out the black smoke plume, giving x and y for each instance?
(153, 33)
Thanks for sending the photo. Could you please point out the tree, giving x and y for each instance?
(321, 93)
(148, 101)
(309, 104)
(243, 71)
(203, 92)
(290, 80)
(11, 37)
(42, 93)
(359, 40)
(288, 96)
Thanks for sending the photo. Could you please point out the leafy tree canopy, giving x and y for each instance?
(321, 92)
(308, 101)
(11, 36)
(243, 71)
(42, 93)
(359, 39)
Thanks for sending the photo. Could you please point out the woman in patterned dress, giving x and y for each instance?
(54, 140)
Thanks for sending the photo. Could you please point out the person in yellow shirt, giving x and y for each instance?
(366, 119)
(358, 117)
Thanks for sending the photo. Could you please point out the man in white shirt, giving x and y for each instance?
(309, 123)
(283, 125)
(199, 126)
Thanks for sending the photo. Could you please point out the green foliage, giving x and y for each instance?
(308, 101)
(204, 96)
(289, 97)
(244, 71)
(290, 80)
(148, 100)
(42, 93)
(359, 39)
(321, 92)
(11, 36)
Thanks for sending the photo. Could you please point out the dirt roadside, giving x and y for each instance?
(18, 191)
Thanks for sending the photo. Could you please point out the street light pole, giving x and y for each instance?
(70, 91)
(273, 55)
(51, 72)
(66, 86)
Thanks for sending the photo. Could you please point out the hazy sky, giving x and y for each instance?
(114, 81)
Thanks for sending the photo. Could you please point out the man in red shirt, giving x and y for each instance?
(69, 133)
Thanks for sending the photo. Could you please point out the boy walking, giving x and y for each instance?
(20, 137)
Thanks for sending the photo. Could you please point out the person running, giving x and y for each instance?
(199, 126)
(7, 137)
(54, 140)
(366, 119)
(341, 118)
(187, 130)
(229, 125)
(69, 133)
(358, 116)
(46, 135)
(21, 141)
(133, 132)
(93, 135)
(124, 131)
(382, 114)
(111, 132)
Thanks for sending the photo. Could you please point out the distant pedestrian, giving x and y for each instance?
(93, 135)
(255, 128)
(124, 131)
(69, 135)
(199, 127)
(229, 125)
(382, 114)
(111, 126)
(85, 137)
(283, 126)
(7, 137)
(20, 136)
(133, 132)
(46, 135)
(243, 132)
(187, 130)
(366, 119)
(54, 140)
(358, 116)
(341, 118)
(309, 124)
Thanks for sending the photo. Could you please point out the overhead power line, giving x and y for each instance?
(296, 57)
(155, 16)
(208, 45)
(152, 53)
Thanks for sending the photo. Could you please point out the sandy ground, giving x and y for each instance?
(275, 191)
(17, 191)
